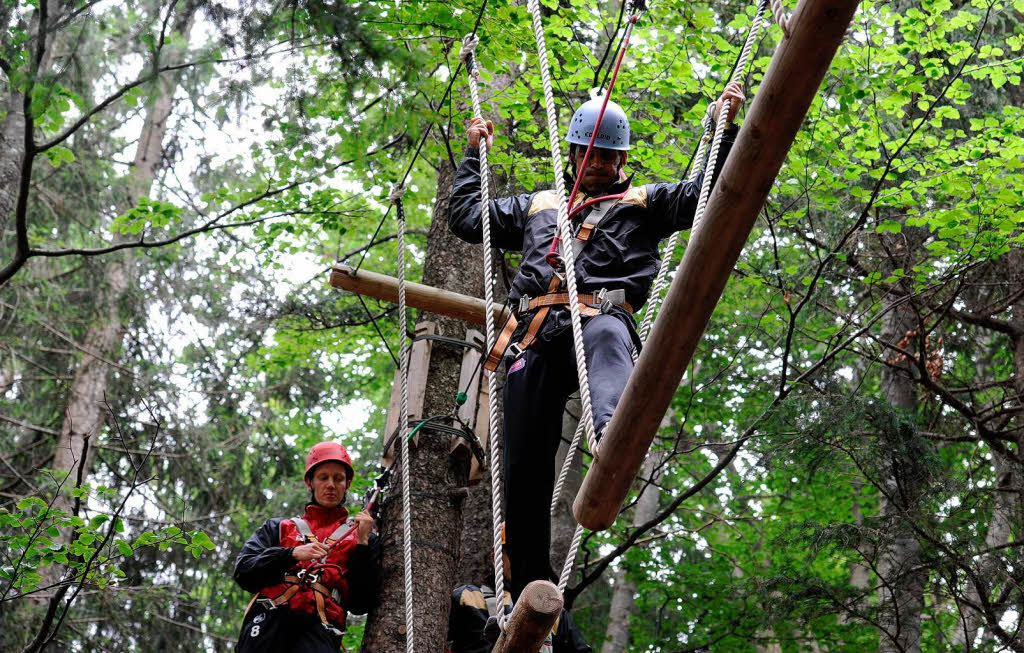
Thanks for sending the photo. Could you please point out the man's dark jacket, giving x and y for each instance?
(623, 252)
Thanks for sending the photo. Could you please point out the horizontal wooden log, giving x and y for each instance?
(417, 295)
(781, 103)
(532, 619)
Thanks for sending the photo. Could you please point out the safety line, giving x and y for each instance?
(468, 46)
(563, 223)
(376, 328)
(426, 133)
(403, 424)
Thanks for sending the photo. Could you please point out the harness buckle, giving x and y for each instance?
(265, 603)
(609, 298)
(524, 304)
(514, 351)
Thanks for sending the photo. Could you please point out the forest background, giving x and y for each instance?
(841, 469)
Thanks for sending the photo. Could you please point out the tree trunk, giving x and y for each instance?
(12, 127)
(86, 413)
(901, 590)
(616, 636)
(437, 480)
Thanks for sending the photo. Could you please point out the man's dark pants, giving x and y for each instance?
(536, 389)
(283, 630)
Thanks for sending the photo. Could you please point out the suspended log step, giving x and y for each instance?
(417, 295)
(532, 619)
(789, 86)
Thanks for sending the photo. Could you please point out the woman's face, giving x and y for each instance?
(329, 482)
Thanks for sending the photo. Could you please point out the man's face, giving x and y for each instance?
(602, 168)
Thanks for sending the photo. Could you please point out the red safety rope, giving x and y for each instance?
(553, 258)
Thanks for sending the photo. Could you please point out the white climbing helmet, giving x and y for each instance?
(614, 133)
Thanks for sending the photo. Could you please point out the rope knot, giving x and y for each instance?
(397, 192)
(468, 46)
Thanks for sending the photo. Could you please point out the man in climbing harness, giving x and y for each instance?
(307, 572)
(618, 227)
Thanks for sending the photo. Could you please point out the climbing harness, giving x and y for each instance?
(308, 578)
(590, 304)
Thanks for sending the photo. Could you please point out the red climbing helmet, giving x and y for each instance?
(328, 452)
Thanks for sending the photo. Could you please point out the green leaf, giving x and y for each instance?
(57, 155)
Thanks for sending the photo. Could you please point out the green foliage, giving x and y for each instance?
(147, 215)
(246, 357)
(37, 537)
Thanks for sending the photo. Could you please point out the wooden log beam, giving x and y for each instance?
(789, 86)
(417, 295)
(532, 619)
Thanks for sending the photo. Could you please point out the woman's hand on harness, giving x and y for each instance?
(309, 551)
(733, 93)
(364, 524)
(478, 129)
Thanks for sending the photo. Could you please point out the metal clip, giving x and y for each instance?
(524, 304)
(514, 351)
(609, 298)
(266, 603)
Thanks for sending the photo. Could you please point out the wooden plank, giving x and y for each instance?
(417, 295)
(789, 86)
(419, 360)
(469, 412)
(532, 619)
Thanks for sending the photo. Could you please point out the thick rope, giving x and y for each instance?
(468, 46)
(564, 228)
(738, 73)
(781, 16)
(403, 358)
(570, 559)
(570, 456)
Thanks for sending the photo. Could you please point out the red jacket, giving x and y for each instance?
(346, 580)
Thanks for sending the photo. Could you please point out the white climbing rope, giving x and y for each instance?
(570, 456)
(403, 426)
(564, 228)
(468, 47)
(738, 73)
(781, 16)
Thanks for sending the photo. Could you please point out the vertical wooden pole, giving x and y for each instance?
(788, 88)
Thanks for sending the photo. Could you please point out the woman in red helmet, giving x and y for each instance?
(307, 572)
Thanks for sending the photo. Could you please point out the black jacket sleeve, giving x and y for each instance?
(262, 561)
(364, 576)
(508, 214)
(675, 204)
